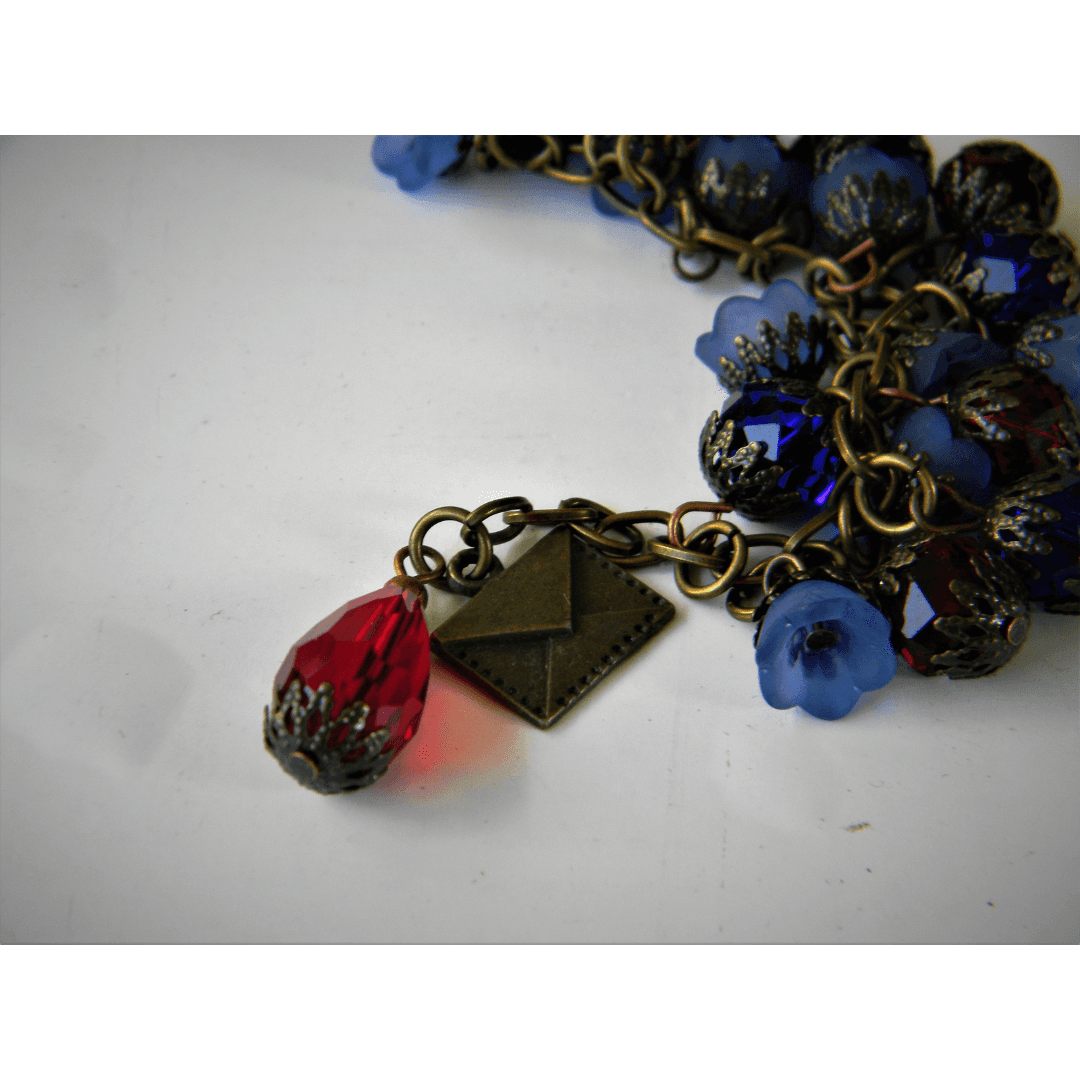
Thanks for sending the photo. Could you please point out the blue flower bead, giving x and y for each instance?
(778, 335)
(414, 160)
(744, 183)
(1054, 344)
(821, 646)
(939, 359)
(928, 431)
(862, 191)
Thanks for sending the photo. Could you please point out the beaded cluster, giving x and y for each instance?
(908, 412)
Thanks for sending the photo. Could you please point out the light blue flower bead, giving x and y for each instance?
(928, 431)
(950, 358)
(821, 646)
(754, 351)
(1054, 343)
(414, 160)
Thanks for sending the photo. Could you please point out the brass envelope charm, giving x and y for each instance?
(551, 626)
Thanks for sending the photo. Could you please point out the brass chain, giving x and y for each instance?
(882, 494)
(594, 523)
(653, 167)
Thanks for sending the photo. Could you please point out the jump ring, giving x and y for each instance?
(422, 578)
(449, 513)
(490, 509)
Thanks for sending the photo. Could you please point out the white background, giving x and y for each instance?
(235, 372)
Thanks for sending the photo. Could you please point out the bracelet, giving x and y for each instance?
(905, 421)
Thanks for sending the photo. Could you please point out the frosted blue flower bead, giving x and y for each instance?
(948, 358)
(928, 431)
(414, 160)
(822, 646)
(758, 339)
(866, 193)
(744, 183)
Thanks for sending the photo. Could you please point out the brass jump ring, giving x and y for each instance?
(449, 513)
(426, 576)
(490, 509)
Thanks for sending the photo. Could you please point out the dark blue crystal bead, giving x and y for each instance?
(744, 183)
(770, 452)
(1037, 524)
(1011, 277)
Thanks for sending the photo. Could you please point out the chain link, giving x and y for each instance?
(881, 495)
(595, 524)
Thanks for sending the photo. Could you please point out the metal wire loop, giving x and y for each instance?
(739, 548)
(450, 513)
(552, 517)
(633, 545)
(490, 509)
(468, 584)
(785, 558)
(635, 517)
(425, 576)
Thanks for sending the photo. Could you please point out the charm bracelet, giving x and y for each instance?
(909, 415)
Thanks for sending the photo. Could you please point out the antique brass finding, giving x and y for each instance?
(550, 627)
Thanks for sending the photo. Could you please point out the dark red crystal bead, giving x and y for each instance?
(954, 609)
(1022, 418)
(995, 185)
(350, 693)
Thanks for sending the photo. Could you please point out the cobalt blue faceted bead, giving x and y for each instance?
(1036, 523)
(745, 183)
(770, 452)
(1010, 278)
(870, 187)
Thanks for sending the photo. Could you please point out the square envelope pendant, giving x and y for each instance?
(551, 626)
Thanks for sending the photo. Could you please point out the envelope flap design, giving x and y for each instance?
(540, 666)
(530, 599)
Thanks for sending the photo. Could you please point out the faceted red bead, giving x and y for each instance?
(954, 609)
(373, 649)
(1021, 418)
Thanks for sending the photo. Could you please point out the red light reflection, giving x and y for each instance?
(466, 740)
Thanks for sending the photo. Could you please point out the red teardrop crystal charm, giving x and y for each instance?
(349, 695)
